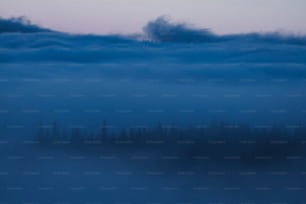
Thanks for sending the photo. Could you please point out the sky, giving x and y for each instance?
(129, 16)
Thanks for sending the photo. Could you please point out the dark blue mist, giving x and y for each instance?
(171, 74)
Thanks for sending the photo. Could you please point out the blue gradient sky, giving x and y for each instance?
(129, 16)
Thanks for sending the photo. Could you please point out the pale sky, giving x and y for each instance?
(129, 16)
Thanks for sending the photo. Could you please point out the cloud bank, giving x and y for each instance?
(190, 63)
(161, 42)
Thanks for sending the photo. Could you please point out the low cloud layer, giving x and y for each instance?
(161, 42)
(188, 73)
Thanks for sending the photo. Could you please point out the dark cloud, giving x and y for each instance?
(19, 25)
(162, 30)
